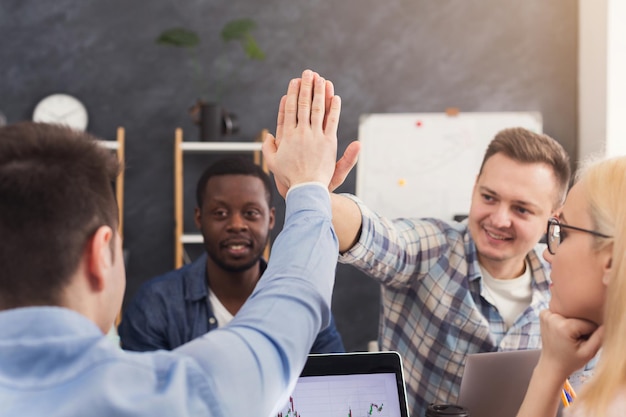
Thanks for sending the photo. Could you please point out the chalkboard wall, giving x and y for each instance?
(384, 56)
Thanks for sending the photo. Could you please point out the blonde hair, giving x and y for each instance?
(604, 184)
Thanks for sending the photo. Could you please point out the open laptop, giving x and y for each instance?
(494, 383)
(361, 384)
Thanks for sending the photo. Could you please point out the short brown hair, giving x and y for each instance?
(56, 188)
(528, 147)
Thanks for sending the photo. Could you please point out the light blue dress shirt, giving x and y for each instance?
(55, 362)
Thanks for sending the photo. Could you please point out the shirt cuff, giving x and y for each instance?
(306, 199)
(303, 184)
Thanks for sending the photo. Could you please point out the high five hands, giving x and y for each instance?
(305, 146)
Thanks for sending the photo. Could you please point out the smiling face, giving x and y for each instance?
(235, 221)
(511, 203)
(578, 268)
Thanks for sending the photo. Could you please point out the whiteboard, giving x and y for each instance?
(425, 164)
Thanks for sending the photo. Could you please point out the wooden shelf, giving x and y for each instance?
(220, 146)
(109, 144)
(180, 238)
(191, 238)
(118, 145)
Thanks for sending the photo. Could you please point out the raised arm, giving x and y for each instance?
(346, 220)
(346, 214)
(252, 363)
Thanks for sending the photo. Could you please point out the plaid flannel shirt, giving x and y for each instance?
(433, 309)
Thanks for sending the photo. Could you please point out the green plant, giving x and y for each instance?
(239, 30)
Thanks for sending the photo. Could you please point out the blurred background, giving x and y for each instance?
(391, 56)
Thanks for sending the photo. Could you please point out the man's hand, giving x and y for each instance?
(309, 110)
(307, 146)
(345, 165)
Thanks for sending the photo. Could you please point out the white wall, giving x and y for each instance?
(616, 78)
(602, 84)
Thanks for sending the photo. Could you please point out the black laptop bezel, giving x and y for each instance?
(356, 363)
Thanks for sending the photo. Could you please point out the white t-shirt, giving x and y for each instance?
(222, 315)
(510, 296)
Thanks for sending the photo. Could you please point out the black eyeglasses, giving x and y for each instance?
(554, 237)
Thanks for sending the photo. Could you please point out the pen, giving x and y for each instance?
(569, 389)
(564, 398)
(567, 394)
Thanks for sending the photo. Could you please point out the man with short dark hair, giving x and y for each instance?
(235, 215)
(62, 282)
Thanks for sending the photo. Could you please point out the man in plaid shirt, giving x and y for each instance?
(450, 289)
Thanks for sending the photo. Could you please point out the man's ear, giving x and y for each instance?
(197, 216)
(272, 218)
(100, 257)
(557, 211)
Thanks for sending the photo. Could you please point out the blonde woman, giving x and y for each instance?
(587, 251)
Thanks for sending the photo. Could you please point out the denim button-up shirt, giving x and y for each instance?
(174, 308)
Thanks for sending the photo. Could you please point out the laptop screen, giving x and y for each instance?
(349, 385)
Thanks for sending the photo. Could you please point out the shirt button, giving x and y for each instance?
(212, 320)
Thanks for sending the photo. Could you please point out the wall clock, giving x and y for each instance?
(61, 109)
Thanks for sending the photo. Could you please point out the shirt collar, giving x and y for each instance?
(59, 322)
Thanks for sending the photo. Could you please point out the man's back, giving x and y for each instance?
(54, 357)
(64, 366)
(58, 303)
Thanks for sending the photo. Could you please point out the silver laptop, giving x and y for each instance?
(350, 384)
(494, 383)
